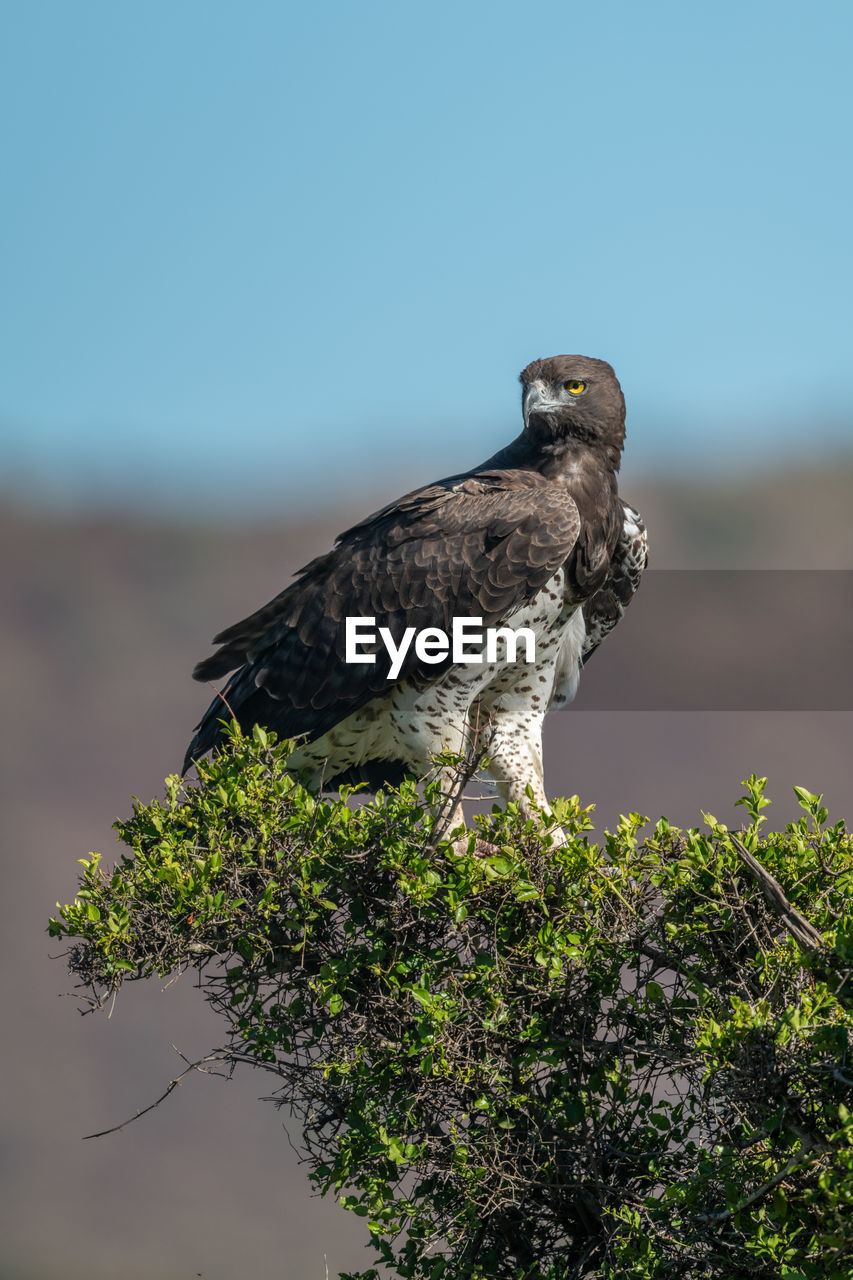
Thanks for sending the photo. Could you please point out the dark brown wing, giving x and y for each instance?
(480, 546)
(627, 565)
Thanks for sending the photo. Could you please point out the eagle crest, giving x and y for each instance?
(535, 537)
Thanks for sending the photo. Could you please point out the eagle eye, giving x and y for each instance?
(575, 387)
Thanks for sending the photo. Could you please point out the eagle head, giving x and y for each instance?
(574, 397)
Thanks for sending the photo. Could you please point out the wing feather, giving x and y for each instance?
(481, 547)
(603, 610)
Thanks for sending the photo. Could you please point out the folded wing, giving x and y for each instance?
(476, 546)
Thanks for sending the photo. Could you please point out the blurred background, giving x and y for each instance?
(263, 269)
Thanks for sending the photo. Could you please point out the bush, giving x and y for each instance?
(531, 1061)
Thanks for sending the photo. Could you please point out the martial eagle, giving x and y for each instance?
(536, 537)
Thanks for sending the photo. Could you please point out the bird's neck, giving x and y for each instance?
(565, 458)
(568, 458)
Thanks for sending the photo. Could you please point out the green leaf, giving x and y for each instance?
(573, 1110)
(423, 997)
(396, 1150)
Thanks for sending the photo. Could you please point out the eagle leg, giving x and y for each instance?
(515, 763)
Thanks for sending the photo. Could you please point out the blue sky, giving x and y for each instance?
(252, 253)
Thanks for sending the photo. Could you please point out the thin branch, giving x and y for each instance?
(218, 1055)
(219, 694)
(795, 1163)
(800, 929)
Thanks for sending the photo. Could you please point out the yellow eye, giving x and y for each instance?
(575, 388)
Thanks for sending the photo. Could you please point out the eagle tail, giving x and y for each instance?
(237, 701)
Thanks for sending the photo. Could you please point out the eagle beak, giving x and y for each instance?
(534, 398)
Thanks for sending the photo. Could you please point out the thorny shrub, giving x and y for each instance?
(531, 1061)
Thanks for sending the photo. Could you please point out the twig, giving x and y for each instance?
(795, 1163)
(219, 694)
(800, 929)
(218, 1055)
